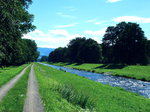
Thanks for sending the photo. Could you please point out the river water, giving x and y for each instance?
(136, 86)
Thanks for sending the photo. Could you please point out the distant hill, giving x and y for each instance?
(45, 51)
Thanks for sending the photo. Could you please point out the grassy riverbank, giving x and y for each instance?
(62, 91)
(15, 98)
(132, 71)
(8, 73)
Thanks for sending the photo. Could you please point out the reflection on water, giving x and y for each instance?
(137, 86)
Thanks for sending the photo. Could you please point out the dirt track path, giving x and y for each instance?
(33, 100)
(4, 89)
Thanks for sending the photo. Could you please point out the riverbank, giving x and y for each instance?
(131, 71)
(70, 92)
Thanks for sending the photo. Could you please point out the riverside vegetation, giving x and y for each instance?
(62, 91)
(131, 71)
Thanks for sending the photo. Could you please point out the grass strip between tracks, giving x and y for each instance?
(15, 98)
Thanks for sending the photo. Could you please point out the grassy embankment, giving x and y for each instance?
(62, 91)
(14, 100)
(8, 73)
(131, 71)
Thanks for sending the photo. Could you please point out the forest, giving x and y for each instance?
(14, 23)
(124, 43)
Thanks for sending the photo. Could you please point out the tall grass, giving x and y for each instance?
(74, 97)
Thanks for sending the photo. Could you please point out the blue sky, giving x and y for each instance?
(59, 21)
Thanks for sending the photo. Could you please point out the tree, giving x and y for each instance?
(44, 58)
(126, 42)
(58, 55)
(74, 48)
(90, 52)
(148, 49)
(26, 52)
(15, 21)
(79, 50)
(108, 44)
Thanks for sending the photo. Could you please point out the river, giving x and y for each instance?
(133, 85)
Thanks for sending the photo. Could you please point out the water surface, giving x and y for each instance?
(133, 85)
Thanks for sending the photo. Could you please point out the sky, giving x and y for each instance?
(59, 21)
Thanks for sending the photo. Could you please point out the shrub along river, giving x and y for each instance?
(137, 86)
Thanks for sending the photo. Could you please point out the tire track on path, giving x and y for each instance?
(5, 88)
(33, 100)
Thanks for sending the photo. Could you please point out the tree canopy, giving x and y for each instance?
(15, 21)
(124, 43)
(79, 50)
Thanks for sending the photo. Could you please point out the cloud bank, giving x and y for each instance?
(113, 1)
(132, 19)
(60, 37)
(65, 26)
(51, 39)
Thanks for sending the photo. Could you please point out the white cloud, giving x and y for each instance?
(70, 8)
(64, 15)
(51, 39)
(96, 21)
(132, 19)
(98, 39)
(96, 33)
(64, 26)
(91, 20)
(59, 31)
(100, 22)
(113, 1)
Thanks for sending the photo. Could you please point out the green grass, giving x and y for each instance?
(49, 89)
(14, 100)
(103, 98)
(131, 71)
(8, 73)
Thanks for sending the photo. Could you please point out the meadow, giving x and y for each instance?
(15, 98)
(62, 91)
(8, 73)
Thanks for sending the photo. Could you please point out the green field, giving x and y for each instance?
(66, 92)
(8, 73)
(14, 100)
(131, 71)
(61, 91)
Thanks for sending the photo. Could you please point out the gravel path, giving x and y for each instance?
(4, 89)
(33, 100)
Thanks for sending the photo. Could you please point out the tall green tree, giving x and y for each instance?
(90, 52)
(15, 21)
(126, 42)
(26, 52)
(58, 55)
(108, 44)
(79, 50)
(44, 58)
(74, 47)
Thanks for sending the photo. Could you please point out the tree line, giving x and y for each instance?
(16, 21)
(124, 43)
